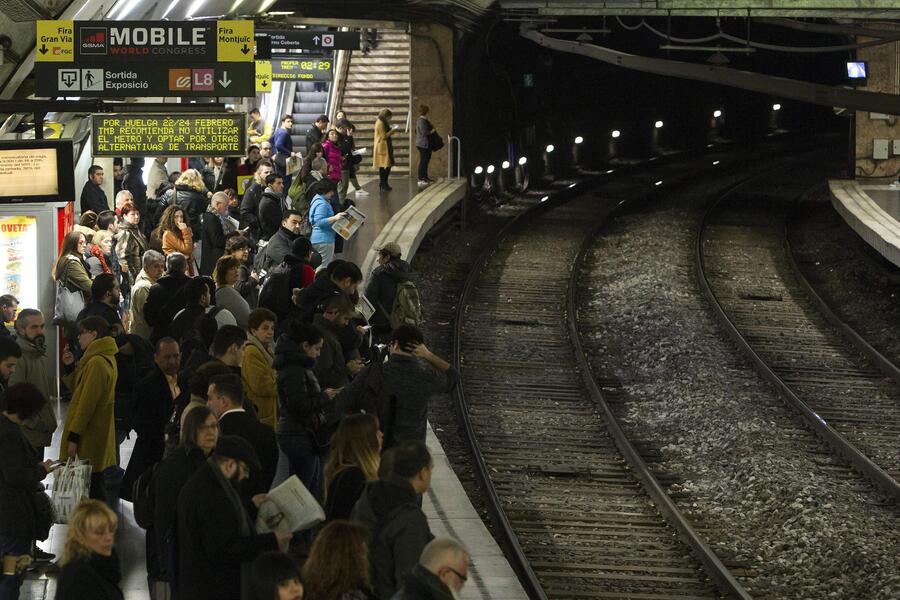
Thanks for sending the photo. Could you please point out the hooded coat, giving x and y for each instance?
(32, 368)
(91, 418)
(382, 288)
(398, 531)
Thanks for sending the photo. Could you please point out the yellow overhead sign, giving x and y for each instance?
(234, 41)
(263, 75)
(55, 41)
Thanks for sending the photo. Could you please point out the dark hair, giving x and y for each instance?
(258, 316)
(22, 317)
(340, 304)
(286, 117)
(8, 300)
(199, 381)
(338, 270)
(164, 340)
(226, 337)
(102, 284)
(272, 178)
(105, 219)
(324, 186)
(96, 324)
(305, 333)
(254, 110)
(225, 263)
(9, 347)
(264, 162)
(229, 385)
(314, 149)
(287, 214)
(301, 247)
(322, 119)
(406, 335)
(93, 169)
(193, 421)
(269, 571)
(194, 291)
(410, 457)
(88, 219)
(23, 399)
(235, 241)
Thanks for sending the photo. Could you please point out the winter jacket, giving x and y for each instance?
(74, 274)
(228, 298)
(159, 174)
(383, 155)
(90, 421)
(270, 213)
(139, 293)
(194, 204)
(33, 367)
(398, 531)
(333, 156)
(94, 578)
(215, 538)
(260, 384)
(130, 247)
(262, 438)
(331, 368)
(320, 211)
(412, 383)
(301, 402)
(321, 289)
(168, 480)
(278, 247)
(21, 473)
(215, 184)
(343, 493)
(164, 300)
(93, 198)
(423, 128)
(381, 290)
(250, 208)
(212, 242)
(314, 136)
(422, 584)
(182, 242)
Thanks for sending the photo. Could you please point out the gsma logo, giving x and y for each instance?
(179, 80)
(93, 40)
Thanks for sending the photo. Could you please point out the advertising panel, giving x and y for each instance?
(18, 258)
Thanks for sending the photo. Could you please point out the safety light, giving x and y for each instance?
(490, 169)
(776, 107)
(479, 170)
(717, 114)
(523, 160)
(579, 139)
(658, 124)
(550, 148)
(505, 164)
(615, 133)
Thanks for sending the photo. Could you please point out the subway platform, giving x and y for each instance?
(872, 210)
(403, 215)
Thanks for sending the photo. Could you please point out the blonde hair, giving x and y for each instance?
(100, 236)
(89, 515)
(191, 178)
(354, 444)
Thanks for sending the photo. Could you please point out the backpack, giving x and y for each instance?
(142, 496)
(406, 309)
(276, 293)
(376, 397)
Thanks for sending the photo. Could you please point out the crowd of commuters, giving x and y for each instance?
(229, 340)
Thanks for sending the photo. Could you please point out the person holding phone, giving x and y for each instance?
(383, 154)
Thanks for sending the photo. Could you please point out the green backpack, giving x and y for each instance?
(406, 310)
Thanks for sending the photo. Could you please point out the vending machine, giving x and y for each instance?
(37, 195)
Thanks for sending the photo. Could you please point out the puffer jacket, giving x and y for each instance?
(194, 204)
(301, 402)
(21, 473)
(382, 288)
(333, 156)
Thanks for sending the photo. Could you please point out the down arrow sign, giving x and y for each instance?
(225, 81)
(43, 49)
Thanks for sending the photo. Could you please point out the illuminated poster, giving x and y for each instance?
(18, 258)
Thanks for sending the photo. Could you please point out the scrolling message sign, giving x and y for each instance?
(169, 134)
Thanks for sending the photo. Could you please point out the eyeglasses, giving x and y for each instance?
(462, 577)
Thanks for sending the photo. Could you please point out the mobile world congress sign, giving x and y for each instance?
(144, 58)
(186, 134)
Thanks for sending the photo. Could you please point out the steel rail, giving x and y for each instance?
(843, 447)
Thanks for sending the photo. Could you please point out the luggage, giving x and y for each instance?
(71, 485)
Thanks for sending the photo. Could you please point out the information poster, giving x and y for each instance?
(18, 258)
(28, 172)
(170, 135)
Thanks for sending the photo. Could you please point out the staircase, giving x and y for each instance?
(376, 81)
(308, 105)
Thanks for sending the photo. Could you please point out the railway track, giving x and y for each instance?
(846, 391)
(578, 507)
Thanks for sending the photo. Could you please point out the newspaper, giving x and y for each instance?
(289, 507)
(365, 308)
(361, 151)
(347, 226)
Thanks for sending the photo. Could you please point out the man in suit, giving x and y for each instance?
(155, 397)
(225, 400)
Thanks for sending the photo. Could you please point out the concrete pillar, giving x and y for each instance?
(431, 83)
(884, 76)
(108, 184)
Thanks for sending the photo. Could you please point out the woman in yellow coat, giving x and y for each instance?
(383, 152)
(90, 429)
(257, 374)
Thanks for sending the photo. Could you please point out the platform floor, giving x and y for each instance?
(885, 196)
(450, 513)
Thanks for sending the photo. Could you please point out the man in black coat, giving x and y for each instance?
(212, 243)
(252, 196)
(216, 538)
(440, 575)
(155, 397)
(316, 133)
(282, 240)
(342, 277)
(381, 289)
(166, 296)
(271, 206)
(225, 400)
(92, 195)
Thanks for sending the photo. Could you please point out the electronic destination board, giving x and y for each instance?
(191, 134)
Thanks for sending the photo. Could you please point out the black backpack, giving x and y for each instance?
(142, 496)
(276, 293)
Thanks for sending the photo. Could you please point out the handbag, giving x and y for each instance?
(435, 141)
(68, 304)
(71, 485)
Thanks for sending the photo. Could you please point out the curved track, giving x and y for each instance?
(746, 268)
(565, 484)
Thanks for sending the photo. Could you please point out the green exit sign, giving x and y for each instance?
(528, 80)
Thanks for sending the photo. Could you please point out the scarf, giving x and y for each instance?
(96, 252)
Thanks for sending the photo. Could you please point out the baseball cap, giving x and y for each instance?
(392, 248)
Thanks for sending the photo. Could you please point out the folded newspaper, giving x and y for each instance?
(365, 308)
(289, 507)
(347, 226)
(361, 151)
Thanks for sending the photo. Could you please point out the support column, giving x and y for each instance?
(431, 83)
(884, 76)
